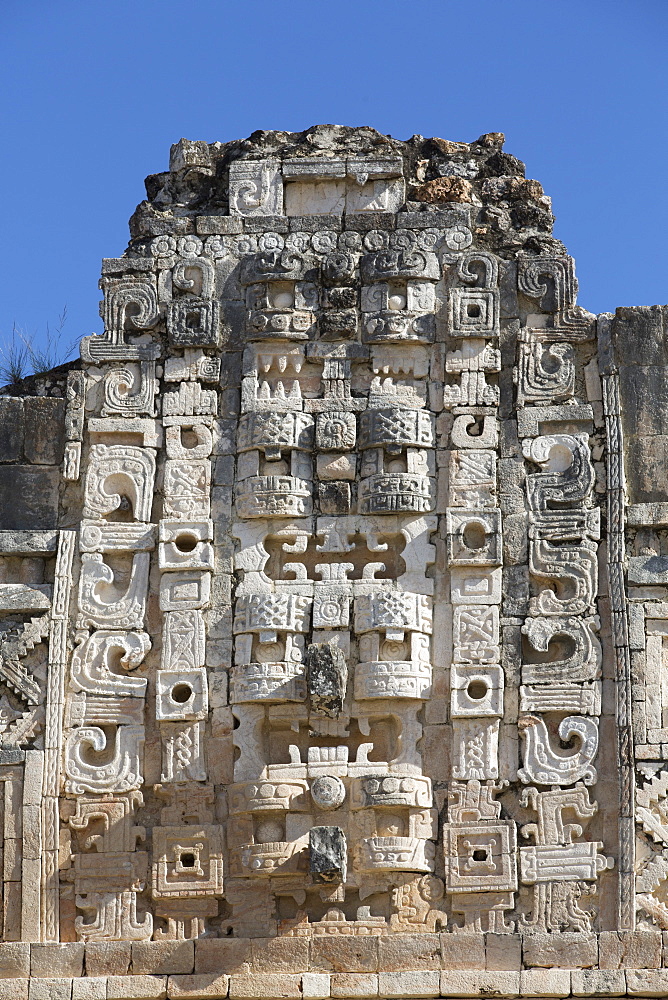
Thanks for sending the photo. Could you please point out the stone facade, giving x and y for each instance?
(334, 596)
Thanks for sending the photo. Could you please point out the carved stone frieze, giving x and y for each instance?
(351, 572)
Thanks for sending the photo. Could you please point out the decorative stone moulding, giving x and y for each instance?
(274, 496)
(334, 598)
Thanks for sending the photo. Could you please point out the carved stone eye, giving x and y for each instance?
(328, 792)
(283, 300)
(397, 302)
(269, 832)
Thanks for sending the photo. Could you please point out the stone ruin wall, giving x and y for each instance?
(334, 597)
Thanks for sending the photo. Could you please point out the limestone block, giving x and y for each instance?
(256, 188)
(263, 985)
(398, 952)
(564, 950)
(354, 984)
(12, 426)
(57, 959)
(163, 957)
(14, 958)
(460, 950)
(593, 983)
(315, 985)
(17, 598)
(28, 496)
(137, 988)
(90, 988)
(44, 430)
(647, 982)
(279, 955)
(327, 854)
(503, 952)
(222, 955)
(50, 989)
(545, 982)
(14, 989)
(108, 958)
(327, 676)
(409, 984)
(337, 953)
(639, 949)
(197, 987)
(478, 984)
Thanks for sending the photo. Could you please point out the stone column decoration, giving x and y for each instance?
(334, 597)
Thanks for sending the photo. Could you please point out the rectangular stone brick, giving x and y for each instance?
(545, 982)
(14, 989)
(566, 951)
(264, 985)
(28, 496)
(409, 951)
(595, 982)
(162, 958)
(630, 949)
(462, 951)
(136, 988)
(50, 989)
(647, 982)
(354, 984)
(455, 983)
(409, 984)
(108, 958)
(315, 985)
(51, 960)
(90, 988)
(14, 959)
(503, 952)
(344, 954)
(222, 955)
(288, 954)
(197, 987)
(44, 430)
(11, 429)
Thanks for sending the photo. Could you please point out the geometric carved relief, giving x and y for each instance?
(350, 504)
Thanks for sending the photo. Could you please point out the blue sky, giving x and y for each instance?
(95, 93)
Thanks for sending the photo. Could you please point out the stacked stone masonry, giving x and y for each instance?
(334, 598)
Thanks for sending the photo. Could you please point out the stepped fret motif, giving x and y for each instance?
(344, 610)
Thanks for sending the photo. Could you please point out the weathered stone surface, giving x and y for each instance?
(334, 597)
(630, 949)
(594, 982)
(409, 984)
(57, 959)
(108, 958)
(44, 431)
(327, 676)
(137, 988)
(265, 985)
(90, 988)
(222, 955)
(566, 951)
(163, 957)
(327, 854)
(12, 429)
(14, 989)
(14, 960)
(197, 987)
(354, 984)
(28, 496)
(336, 953)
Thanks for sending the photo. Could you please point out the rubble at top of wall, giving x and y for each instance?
(511, 213)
